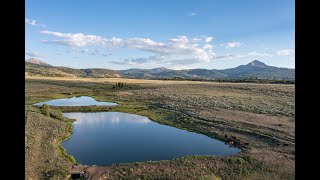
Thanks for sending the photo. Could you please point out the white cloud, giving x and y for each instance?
(203, 38)
(180, 39)
(32, 54)
(254, 53)
(34, 23)
(192, 14)
(231, 44)
(243, 55)
(285, 52)
(161, 60)
(135, 61)
(76, 40)
(196, 39)
(208, 46)
(208, 39)
(178, 48)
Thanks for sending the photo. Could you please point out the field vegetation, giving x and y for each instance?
(258, 118)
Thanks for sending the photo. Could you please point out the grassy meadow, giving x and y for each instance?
(258, 118)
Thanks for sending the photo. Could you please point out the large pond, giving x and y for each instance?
(76, 101)
(106, 138)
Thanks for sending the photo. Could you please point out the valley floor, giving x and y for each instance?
(259, 118)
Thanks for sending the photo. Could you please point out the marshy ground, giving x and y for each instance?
(259, 118)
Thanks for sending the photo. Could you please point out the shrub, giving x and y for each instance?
(236, 160)
(45, 110)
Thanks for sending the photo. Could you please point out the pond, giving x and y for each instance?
(76, 101)
(106, 138)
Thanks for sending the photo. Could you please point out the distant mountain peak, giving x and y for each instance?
(163, 68)
(257, 63)
(37, 61)
(160, 69)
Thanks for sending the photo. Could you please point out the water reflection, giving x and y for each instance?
(76, 101)
(106, 118)
(105, 138)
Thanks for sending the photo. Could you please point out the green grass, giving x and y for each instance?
(62, 150)
(45, 110)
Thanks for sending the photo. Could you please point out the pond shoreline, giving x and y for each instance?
(143, 136)
(231, 141)
(68, 109)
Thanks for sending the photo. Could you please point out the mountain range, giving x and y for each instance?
(254, 69)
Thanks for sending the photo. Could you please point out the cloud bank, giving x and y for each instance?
(178, 51)
(178, 48)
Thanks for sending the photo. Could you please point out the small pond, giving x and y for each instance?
(76, 101)
(106, 138)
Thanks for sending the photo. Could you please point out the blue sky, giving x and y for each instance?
(176, 34)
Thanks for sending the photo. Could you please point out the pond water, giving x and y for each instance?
(106, 138)
(76, 101)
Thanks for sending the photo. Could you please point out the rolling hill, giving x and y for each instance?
(36, 69)
(38, 61)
